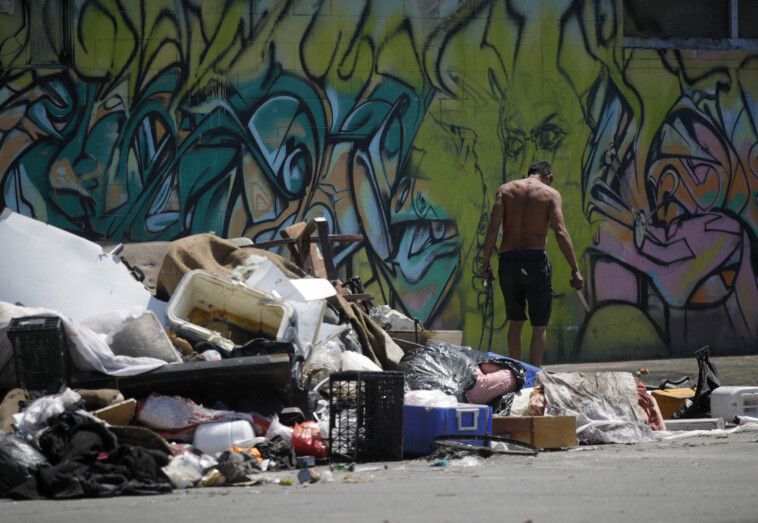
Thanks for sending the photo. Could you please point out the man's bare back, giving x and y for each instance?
(527, 205)
(524, 209)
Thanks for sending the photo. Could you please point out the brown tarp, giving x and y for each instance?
(218, 256)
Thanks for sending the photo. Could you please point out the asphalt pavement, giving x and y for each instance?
(689, 480)
(733, 370)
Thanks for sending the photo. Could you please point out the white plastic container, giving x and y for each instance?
(728, 402)
(205, 304)
(214, 438)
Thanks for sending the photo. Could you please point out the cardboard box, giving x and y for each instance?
(669, 400)
(544, 432)
(118, 414)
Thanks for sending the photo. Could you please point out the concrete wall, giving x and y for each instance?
(397, 121)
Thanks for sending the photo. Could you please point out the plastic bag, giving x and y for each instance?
(18, 461)
(389, 319)
(307, 440)
(186, 469)
(453, 369)
(439, 367)
(430, 398)
(520, 402)
(354, 361)
(707, 380)
(326, 359)
(276, 428)
(35, 417)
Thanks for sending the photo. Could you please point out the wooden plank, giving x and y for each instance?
(333, 238)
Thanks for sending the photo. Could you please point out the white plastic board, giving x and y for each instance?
(43, 266)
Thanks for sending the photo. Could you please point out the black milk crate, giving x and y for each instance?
(366, 416)
(40, 351)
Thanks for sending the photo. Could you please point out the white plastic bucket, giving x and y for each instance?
(214, 438)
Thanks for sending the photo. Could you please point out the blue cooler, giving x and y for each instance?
(422, 424)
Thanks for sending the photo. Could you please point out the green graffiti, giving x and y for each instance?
(397, 121)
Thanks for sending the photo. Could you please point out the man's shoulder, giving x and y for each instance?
(512, 184)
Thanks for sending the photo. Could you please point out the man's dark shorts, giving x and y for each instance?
(526, 277)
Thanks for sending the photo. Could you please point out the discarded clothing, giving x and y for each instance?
(128, 470)
(280, 452)
(236, 467)
(73, 445)
(707, 380)
(491, 382)
(649, 406)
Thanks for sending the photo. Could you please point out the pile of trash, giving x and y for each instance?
(212, 372)
(229, 362)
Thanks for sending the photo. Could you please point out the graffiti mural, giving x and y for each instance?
(397, 120)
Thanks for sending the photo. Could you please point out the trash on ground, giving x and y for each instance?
(242, 367)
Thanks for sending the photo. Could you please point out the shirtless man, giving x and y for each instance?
(525, 208)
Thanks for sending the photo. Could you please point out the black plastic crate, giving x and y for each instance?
(366, 416)
(40, 351)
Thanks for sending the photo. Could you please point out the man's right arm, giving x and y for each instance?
(496, 220)
(564, 240)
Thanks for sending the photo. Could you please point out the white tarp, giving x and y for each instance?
(605, 405)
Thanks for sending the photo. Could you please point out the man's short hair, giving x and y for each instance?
(542, 168)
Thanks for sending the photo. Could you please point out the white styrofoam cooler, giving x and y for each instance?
(728, 402)
(271, 317)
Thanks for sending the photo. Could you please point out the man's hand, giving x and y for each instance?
(487, 272)
(577, 282)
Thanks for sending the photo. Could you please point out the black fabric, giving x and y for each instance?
(280, 452)
(74, 445)
(55, 442)
(526, 279)
(259, 346)
(707, 381)
(236, 466)
(127, 471)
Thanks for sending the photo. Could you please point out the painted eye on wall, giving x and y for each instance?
(513, 145)
(548, 137)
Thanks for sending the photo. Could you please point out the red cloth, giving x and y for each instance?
(649, 406)
(491, 381)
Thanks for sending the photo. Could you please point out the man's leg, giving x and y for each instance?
(514, 339)
(537, 347)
